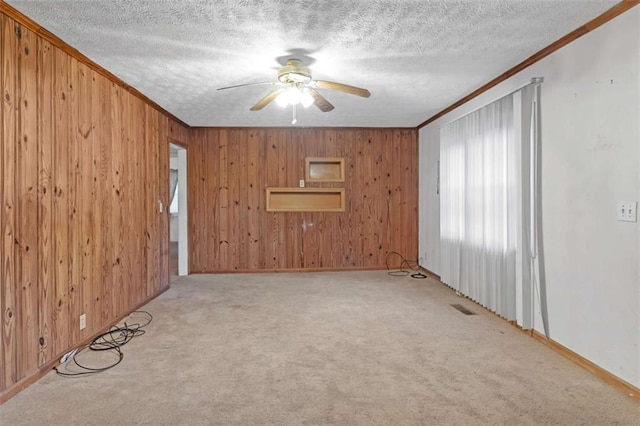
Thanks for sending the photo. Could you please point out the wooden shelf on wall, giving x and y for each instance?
(305, 200)
(324, 169)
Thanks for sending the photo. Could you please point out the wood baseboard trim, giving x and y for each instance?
(431, 274)
(296, 270)
(46, 368)
(611, 379)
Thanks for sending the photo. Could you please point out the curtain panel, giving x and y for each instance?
(478, 206)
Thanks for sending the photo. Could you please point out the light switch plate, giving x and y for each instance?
(627, 211)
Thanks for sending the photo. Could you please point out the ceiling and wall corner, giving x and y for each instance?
(415, 57)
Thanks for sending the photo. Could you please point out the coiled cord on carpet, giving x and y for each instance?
(412, 265)
(110, 341)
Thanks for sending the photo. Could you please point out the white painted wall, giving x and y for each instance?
(429, 203)
(590, 160)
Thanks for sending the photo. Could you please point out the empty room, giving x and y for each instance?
(334, 212)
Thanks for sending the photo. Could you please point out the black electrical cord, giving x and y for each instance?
(89, 370)
(110, 341)
(412, 265)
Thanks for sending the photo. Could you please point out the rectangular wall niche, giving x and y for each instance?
(305, 200)
(324, 169)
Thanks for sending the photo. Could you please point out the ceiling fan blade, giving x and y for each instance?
(320, 84)
(262, 83)
(320, 101)
(266, 100)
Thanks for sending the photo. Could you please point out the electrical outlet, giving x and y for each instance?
(627, 211)
(83, 321)
(301, 183)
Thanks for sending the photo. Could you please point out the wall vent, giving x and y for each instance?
(463, 309)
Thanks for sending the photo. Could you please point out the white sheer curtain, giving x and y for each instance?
(478, 206)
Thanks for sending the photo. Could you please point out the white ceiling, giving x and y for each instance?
(415, 56)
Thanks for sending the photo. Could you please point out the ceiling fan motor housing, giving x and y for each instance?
(294, 72)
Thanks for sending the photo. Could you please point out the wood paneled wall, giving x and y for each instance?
(229, 228)
(84, 167)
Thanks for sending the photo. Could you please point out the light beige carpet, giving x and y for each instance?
(354, 348)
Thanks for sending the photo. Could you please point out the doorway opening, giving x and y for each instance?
(178, 212)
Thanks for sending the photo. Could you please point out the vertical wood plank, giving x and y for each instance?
(118, 205)
(195, 200)
(140, 184)
(128, 202)
(233, 171)
(86, 133)
(250, 188)
(295, 253)
(224, 219)
(386, 193)
(9, 158)
(398, 213)
(45, 131)
(151, 200)
(101, 107)
(369, 229)
(310, 223)
(75, 234)
(284, 259)
(28, 203)
(410, 224)
(344, 251)
(211, 196)
(60, 330)
(354, 199)
(271, 235)
(96, 247)
(260, 199)
(241, 196)
(2, 218)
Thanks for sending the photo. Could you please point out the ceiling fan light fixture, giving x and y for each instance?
(295, 96)
(294, 72)
(291, 96)
(306, 99)
(296, 87)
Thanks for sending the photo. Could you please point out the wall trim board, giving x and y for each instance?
(431, 274)
(174, 141)
(609, 378)
(205, 128)
(46, 368)
(292, 270)
(605, 17)
(74, 53)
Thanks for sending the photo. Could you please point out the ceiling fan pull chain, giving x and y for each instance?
(295, 120)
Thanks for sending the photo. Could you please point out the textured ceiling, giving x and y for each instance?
(415, 56)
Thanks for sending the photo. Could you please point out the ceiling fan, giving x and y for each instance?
(295, 86)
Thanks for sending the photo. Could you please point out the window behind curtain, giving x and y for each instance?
(478, 206)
